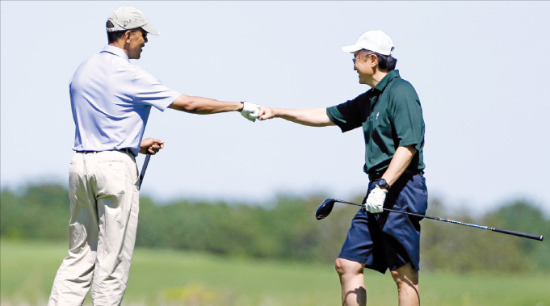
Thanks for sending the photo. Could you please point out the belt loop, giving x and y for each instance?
(127, 151)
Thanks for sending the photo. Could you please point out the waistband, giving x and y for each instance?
(376, 175)
(125, 150)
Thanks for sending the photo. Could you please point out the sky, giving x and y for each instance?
(480, 69)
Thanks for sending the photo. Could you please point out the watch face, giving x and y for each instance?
(382, 182)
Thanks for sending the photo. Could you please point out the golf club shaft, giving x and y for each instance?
(498, 230)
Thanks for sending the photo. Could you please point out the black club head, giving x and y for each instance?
(324, 209)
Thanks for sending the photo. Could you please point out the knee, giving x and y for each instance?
(398, 278)
(405, 278)
(339, 266)
(344, 266)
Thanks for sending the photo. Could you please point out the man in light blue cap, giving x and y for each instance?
(111, 99)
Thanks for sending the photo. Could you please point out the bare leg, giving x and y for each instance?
(406, 279)
(352, 282)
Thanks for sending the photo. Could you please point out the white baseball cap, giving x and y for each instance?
(376, 41)
(129, 18)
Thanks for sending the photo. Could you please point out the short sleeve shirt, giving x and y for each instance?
(111, 100)
(390, 115)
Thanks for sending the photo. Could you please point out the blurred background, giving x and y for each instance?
(241, 196)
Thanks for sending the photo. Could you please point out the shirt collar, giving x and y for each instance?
(116, 51)
(386, 80)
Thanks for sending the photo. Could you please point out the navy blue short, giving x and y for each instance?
(389, 240)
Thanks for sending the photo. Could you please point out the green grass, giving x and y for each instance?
(165, 277)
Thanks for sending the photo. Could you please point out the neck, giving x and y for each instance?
(377, 77)
(121, 43)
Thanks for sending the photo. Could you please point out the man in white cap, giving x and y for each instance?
(391, 118)
(111, 100)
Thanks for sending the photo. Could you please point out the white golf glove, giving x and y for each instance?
(375, 200)
(250, 111)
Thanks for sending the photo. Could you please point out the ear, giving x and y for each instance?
(127, 35)
(374, 60)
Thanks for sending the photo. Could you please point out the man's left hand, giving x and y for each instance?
(375, 200)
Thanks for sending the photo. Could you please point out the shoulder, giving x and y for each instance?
(402, 89)
(138, 74)
(401, 85)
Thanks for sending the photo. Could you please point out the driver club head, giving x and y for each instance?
(324, 209)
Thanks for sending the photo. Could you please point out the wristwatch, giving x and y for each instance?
(382, 183)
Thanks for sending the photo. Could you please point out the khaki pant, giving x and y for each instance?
(104, 203)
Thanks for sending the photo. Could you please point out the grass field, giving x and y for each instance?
(165, 277)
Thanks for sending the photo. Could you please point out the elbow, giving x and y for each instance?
(191, 107)
(185, 104)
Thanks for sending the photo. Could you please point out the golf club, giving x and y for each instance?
(143, 169)
(326, 207)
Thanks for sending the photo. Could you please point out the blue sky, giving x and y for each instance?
(480, 69)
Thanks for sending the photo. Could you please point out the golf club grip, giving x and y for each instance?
(143, 169)
(145, 164)
(520, 234)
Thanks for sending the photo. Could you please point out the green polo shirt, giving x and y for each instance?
(391, 116)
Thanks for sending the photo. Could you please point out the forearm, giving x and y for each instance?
(199, 105)
(308, 116)
(399, 163)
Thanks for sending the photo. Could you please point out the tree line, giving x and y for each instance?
(287, 229)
